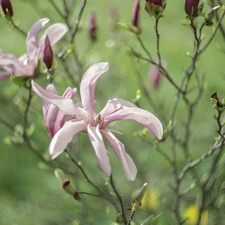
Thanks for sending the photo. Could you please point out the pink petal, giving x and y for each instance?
(32, 38)
(16, 67)
(126, 161)
(54, 119)
(99, 147)
(141, 116)
(51, 88)
(66, 105)
(115, 105)
(64, 136)
(88, 83)
(55, 32)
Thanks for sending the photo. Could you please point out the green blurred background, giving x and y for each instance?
(29, 191)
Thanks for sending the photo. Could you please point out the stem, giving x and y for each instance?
(120, 200)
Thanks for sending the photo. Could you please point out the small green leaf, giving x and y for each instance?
(20, 81)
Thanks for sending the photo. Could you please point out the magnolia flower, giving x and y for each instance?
(86, 119)
(26, 64)
(53, 117)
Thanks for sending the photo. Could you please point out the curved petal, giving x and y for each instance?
(54, 119)
(32, 38)
(55, 32)
(141, 116)
(51, 88)
(64, 136)
(16, 67)
(88, 83)
(99, 147)
(114, 105)
(66, 105)
(126, 161)
(69, 93)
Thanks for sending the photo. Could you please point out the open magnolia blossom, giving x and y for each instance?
(26, 64)
(86, 119)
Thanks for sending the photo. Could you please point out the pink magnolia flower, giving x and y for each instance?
(26, 64)
(53, 117)
(96, 123)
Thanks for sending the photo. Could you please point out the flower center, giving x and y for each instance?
(97, 121)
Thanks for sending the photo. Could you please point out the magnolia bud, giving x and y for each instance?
(7, 7)
(136, 201)
(48, 53)
(155, 7)
(68, 187)
(155, 74)
(92, 26)
(66, 184)
(135, 13)
(155, 2)
(191, 7)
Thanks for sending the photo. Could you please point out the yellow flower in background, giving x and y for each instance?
(192, 214)
(151, 199)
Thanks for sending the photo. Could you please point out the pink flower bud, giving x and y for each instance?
(155, 75)
(7, 7)
(155, 2)
(135, 13)
(92, 26)
(47, 53)
(113, 13)
(191, 7)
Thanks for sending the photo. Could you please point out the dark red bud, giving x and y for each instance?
(7, 7)
(135, 13)
(65, 183)
(92, 26)
(191, 7)
(48, 53)
(155, 2)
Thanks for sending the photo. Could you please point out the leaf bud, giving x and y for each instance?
(136, 201)
(210, 16)
(147, 221)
